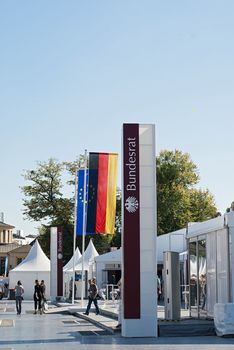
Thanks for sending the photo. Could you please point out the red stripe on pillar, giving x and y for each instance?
(131, 221)
(102, 192)
(59, 262)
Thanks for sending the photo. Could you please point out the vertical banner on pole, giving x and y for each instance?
(131, 222)
(59, 262)
(139, 231)
(56, 262)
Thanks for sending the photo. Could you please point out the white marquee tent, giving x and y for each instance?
(89, 255)
(173, 241)
(112, 260)
(36, 265)
(75, 257)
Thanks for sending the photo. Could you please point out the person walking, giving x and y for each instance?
(19, 291)
(43, 295)
(93, 291)
(37, 296)
(119, 284)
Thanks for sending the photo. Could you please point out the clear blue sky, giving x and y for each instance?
(72, 72)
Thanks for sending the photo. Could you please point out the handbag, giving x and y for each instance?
(46, 306)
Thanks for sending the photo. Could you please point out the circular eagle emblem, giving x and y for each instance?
(131, 204)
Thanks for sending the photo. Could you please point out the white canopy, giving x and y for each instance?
(36, 265)
(89, 255)
(76, 257)
(110, 257)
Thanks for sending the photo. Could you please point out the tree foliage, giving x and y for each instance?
(178, 201)
(44, 201)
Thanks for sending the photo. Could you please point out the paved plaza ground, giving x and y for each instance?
(60, 329)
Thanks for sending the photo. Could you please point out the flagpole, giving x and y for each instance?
(74, 238)
(84, 228)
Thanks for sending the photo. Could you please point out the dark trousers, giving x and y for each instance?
(37, 303)
(94, 300)
(18, 300)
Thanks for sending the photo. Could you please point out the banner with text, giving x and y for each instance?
(131, 221)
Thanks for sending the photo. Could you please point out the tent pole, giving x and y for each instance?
(84, 228)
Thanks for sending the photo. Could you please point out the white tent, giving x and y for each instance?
(89, 265)
(76, 257)
(111, 257)
(36, 265)
(107, 261)
(89, 255)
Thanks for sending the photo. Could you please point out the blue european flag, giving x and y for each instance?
(80, 200)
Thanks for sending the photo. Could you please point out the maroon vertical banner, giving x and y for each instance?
(60, 262)
(131, 221)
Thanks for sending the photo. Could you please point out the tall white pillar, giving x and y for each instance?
(139, 231)
(56, 263)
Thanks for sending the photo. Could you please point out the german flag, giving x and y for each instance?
(102, 193)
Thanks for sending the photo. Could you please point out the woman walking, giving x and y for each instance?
(19, 291)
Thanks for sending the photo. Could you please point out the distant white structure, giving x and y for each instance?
(36, 265)
(20, 238)
(107, 266)
(74, 259)
(89, 269)
(211, 264)
(111, 262)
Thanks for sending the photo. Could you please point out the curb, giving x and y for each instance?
(100, 323)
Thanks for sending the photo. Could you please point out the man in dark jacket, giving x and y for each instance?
(93, 291)
(37, 296)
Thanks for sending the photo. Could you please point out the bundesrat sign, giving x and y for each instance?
(56, 262)
(139, 231)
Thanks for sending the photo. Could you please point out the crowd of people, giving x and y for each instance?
(39, 297)
(40, 302)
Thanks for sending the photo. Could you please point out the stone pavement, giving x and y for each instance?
(59, 330)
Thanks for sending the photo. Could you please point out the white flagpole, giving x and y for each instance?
(74, 238)
(84, 228)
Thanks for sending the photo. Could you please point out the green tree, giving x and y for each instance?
(116, 238)
(202, 205)
(44, 201)
(43, 196)
(178, 201)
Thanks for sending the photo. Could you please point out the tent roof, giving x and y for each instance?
(113, 256)
(89, 255)
(75, 257)
(36, 260)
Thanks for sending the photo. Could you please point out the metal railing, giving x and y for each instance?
(112, 292)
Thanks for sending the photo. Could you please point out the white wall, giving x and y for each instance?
(174, 241)
(27, 279)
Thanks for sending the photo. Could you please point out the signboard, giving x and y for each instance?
(131, 221)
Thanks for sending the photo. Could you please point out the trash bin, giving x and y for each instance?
(11, 294)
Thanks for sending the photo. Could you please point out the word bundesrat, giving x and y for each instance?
(131, 165)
